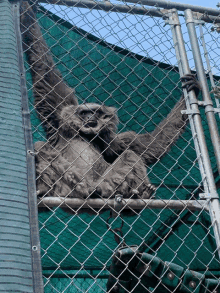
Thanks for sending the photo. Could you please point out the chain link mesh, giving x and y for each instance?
(127, 61)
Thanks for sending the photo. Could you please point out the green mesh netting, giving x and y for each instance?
(144, 91)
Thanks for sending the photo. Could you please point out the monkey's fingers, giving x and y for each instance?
(191, 84)
(69, 177)
(82, 189)
(188, 76)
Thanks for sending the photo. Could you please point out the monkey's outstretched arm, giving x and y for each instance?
(152, 146)
(51, 92)
(165, 135)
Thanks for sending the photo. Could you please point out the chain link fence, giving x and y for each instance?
(151, 234)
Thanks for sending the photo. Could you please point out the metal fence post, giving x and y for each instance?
(197, 130)
(209, 110)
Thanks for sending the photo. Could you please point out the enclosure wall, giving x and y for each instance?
(81, 61)
(16, 272)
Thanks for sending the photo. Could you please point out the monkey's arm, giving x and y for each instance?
(152, 146)
(51, 93)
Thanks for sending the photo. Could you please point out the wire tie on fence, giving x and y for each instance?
(213, 195)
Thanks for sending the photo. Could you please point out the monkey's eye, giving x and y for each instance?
(99, 113)
(83, 113)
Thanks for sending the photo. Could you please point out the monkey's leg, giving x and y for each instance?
(72, 181)
(49, 171)
(126, 176)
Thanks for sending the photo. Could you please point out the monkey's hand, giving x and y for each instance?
(190, 83)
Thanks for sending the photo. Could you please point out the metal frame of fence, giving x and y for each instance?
(208, 200)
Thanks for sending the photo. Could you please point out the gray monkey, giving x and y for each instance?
(84, 156)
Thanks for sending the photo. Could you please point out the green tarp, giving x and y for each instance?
(144, 91)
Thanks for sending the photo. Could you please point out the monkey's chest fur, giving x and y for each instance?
(84, 158)
(68, 170)
(77, 168)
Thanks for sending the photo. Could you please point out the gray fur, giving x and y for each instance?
(86, 157)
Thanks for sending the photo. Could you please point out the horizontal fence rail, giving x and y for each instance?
(136, 204)
(107, 6)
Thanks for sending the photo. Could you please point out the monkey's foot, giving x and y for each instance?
(77, 183)
(149, 190)
(129, 187)
(109, 186)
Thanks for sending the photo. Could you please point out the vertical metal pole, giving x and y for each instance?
(197, 130)
(208, 64)
(209, 110)
(179, 42)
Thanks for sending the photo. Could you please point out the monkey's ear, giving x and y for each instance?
(112, 114)
(111, 110)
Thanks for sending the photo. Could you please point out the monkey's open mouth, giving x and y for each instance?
(91, 123)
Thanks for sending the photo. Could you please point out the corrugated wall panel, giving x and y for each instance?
(16, 272)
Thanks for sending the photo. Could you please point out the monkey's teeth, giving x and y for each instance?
(135, 191)
(151, 186)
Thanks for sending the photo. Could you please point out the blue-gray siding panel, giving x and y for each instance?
(18, 211)
(16, 265)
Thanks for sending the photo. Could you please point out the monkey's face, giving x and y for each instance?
(88, 119)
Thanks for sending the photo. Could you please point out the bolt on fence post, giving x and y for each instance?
(197, 129)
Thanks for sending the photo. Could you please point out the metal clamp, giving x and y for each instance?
(208, 107)
(171, 17)
(171, 21)
(204, 103)
(217, 110)
(194, 19)
(193, 101)
(199, 21)
(209, 195)
(190, 112)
